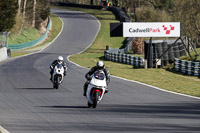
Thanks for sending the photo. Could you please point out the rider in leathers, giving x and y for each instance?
(99, 66)
(55, 62)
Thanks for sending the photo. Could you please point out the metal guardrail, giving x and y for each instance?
(137, 62)
(31, 43)
(187, 67)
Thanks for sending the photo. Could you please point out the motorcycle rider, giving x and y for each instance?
(99, 66)
(55, 62)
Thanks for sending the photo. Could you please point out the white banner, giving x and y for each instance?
(151, 29)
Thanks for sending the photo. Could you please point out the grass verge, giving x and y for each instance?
(161, 78)
(27, 35)
(56, 28)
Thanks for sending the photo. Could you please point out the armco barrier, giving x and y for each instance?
(137, 62)
(31, 43)
(187, 67)
(3, 54)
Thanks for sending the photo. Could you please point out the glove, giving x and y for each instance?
(89, 78)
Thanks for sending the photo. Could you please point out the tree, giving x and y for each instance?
(42, 12)
(162, 4)
(8, 11)
(32, 13)
(188, 13)
(34, 6)
(23, 15)
(19, 7)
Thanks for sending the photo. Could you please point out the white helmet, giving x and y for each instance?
(60, 59)
(100, 65)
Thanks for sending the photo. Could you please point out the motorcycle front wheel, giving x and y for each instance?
(56, 83)
(89, 105)
(95, 99)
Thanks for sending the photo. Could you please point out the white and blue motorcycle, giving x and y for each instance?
(58, 75)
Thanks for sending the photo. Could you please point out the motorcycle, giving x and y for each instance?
(96, 88)
(58, 76)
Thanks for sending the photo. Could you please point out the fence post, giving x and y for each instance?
(120, 58)
(107, 47)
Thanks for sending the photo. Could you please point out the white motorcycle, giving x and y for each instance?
(58, 75)
(96, 88)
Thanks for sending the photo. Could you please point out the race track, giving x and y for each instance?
(29, 104)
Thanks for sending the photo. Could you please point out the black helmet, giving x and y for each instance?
(100, 65)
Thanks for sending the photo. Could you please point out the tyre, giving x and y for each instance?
(57, 80)
(95, 99)
(89, 105)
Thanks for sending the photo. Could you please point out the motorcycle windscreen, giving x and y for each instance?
(98, 79)
(59, 69)
(99, 76)
(59, 66)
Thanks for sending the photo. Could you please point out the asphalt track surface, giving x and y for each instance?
(29, 104)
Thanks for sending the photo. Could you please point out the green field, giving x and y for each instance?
(162, 78)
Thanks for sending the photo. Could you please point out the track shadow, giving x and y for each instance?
(34, 88)
(82, 16)
(64, 107)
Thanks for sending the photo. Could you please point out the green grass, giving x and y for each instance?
(161, 78)
(26, 35)
(15, 53)
(56, 28)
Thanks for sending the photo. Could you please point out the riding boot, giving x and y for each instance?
(85, 89)
(106, 90)
(51, 73)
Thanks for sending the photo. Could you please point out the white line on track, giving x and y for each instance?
(3, 130)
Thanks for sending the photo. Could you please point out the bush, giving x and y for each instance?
(7, 8)
(149, 14)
